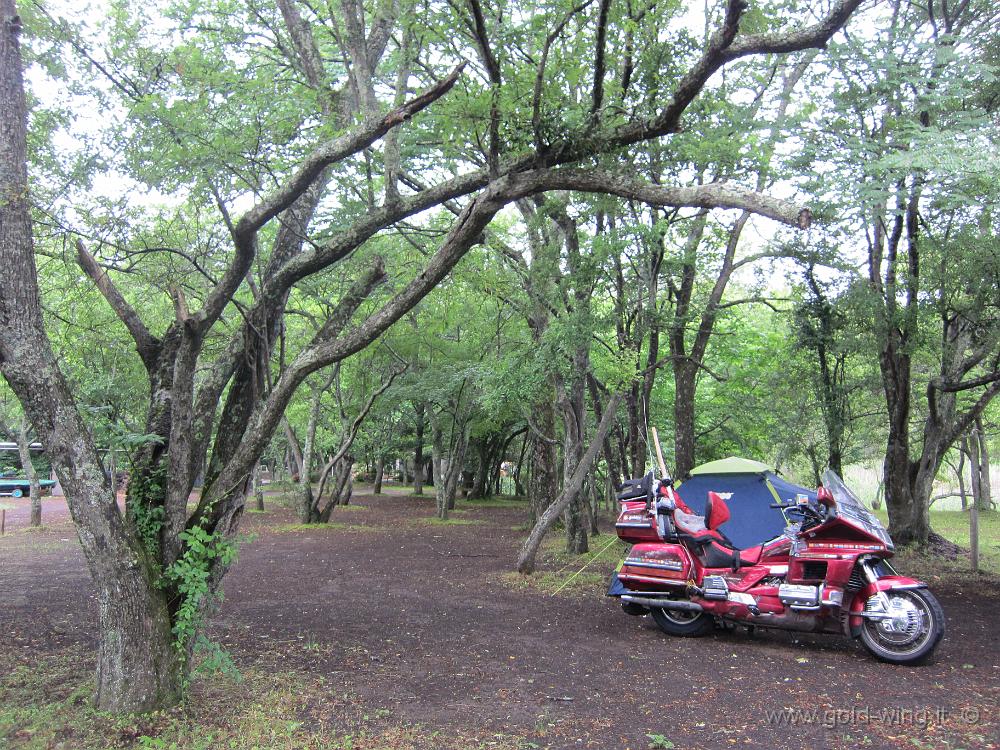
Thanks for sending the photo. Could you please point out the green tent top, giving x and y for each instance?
(732, 465)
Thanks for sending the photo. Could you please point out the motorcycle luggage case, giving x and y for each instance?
(649, 564)
(631, 489)
(635, 523)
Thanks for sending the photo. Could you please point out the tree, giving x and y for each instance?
(156, 567)
(17, 428)
(911, 165)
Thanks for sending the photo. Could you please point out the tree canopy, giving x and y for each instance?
(450, 237)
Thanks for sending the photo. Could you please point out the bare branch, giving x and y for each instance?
(949, 387)
(244, 233)
(599, 57)
(965, 420)
(536, 98)
(723, 47)
(483, 43)
(712, 195)
(305, 45)
(816, 35)
(146, 344)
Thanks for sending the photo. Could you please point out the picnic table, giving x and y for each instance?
(18, 487)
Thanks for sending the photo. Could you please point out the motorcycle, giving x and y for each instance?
(827, 573)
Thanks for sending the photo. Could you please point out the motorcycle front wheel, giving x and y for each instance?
(683, 624)
(911, 632)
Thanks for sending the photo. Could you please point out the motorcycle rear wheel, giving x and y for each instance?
(911, 636)
(683, 624)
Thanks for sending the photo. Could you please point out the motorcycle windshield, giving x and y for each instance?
(853, 511)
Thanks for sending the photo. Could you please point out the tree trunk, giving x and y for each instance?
(685, 373)
(636, 439)
(974, 469)
(484, 467)
(963, 449)
(449, 460)
(24, 450)
(139, 667)
(594, 505)
(258, 489)
(418, 451)
(379, 472)
(985, 498)
(907, 524)
(437, 456)
(573, 405)
(526, 559)
(456, 464)
(543, 483)
(519, 466)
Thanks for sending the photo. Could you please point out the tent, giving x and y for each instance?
(748, 487)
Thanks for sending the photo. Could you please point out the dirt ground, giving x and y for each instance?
(419, 624)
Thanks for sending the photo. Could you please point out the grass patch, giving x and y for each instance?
(45, 703)
(435, 521)
(605, 550)
(487, 502)
(495, 502)
(348, 509)
(566, 573)
(294, 528)
(953, 525)
(280, 485)
(282, 500)
(563, 583)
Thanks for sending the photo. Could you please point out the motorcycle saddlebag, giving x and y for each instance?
(656, 564)
(635, 523)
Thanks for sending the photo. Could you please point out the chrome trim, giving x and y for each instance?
(679, 605)
(675, 566)
(657, 581)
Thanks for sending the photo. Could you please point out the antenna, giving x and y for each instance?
(659, 455)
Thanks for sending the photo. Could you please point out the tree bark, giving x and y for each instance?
(418, 450)
(258, 489)
(35, 493)
(139, 666)
(685, 374)
(543, 482)
(573, 406)
(526, 559)
(484, 467)
(379, 471)
(985, 490)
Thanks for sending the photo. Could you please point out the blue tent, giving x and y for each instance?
(748, 487)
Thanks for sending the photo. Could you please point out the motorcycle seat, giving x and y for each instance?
(715, 549)
(716, 555)
(704, 527)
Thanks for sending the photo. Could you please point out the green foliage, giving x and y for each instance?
(148, 522)
(145, 509)
(190, 577)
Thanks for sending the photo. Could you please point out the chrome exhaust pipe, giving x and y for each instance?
(662, 603)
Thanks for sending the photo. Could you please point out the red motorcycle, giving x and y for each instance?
(827, 573)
